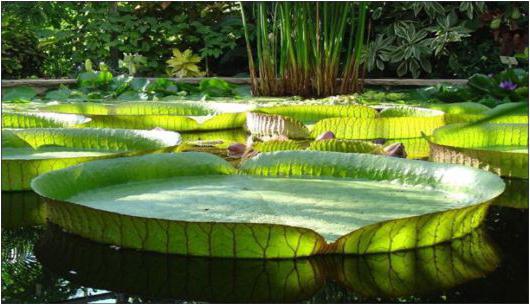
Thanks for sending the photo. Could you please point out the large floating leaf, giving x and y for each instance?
(147, 115)
(27, 153)
(500, 148)
(41, 119)
(386, 127)
(519, 115)
(219, 138)
(284, 204)
(20, 209)
(347, 146)
(131, 108)
(313, 113)
(193, 279)
(407, 111)
(18, 94)
(169, 122)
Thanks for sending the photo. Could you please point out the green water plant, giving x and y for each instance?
(500, 148)
(268, 208)
(184, 64)
(27, 153)
(176, 116)
(296, 57)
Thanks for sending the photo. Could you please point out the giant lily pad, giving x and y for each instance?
(393, 123)
(41, 119)
(414, 272)
(283, 204)
(178, 116)
(313, 113)
(500, 148)
(27, 153)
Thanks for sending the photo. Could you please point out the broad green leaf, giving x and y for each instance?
(224, 121)
(27, 153)
(460, 108)
(220, 138)
(346, 146)
(18, 93)
(21, 209)
(131, 108)
(279, 205)
(414, 272)
(270, 146)
(58, 94)
(313, 113)
(407, 111)
(387, 127)
(147, 115)
(500, 148)
(169, 122)
(41, 119)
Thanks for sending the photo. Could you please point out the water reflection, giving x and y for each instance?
(515, 195)
(228, 280)
(22, 209)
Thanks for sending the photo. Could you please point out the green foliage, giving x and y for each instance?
(70, 32)
(440, 39)
(184, 64)
(18, 94)
(21, 55)
(132, 62)
(296, 57)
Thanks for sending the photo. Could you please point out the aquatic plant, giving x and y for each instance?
(27, 153)
(277, 197)
(296, 57)
(500, 148)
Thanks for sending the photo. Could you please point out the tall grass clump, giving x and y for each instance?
(310, 49)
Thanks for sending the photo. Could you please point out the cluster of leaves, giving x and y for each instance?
(21, 55)
(411, 37)
(95, 86)
(70, 32)
(509, 86)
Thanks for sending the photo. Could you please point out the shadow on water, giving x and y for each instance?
(40, 263)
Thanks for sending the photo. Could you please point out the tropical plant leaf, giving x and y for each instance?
(460, 108)
(220, 138)
(224, 121)
(312, 113)
(346, 146)
(27, 153)
(283, 204)
(15, 94)
(500, 148)
(41, 119)
(417, 272)
(407, 111)
(387, 127)
(270, 146)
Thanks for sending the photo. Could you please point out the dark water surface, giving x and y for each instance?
(41, 264)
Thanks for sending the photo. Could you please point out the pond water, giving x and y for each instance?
(40, 263)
